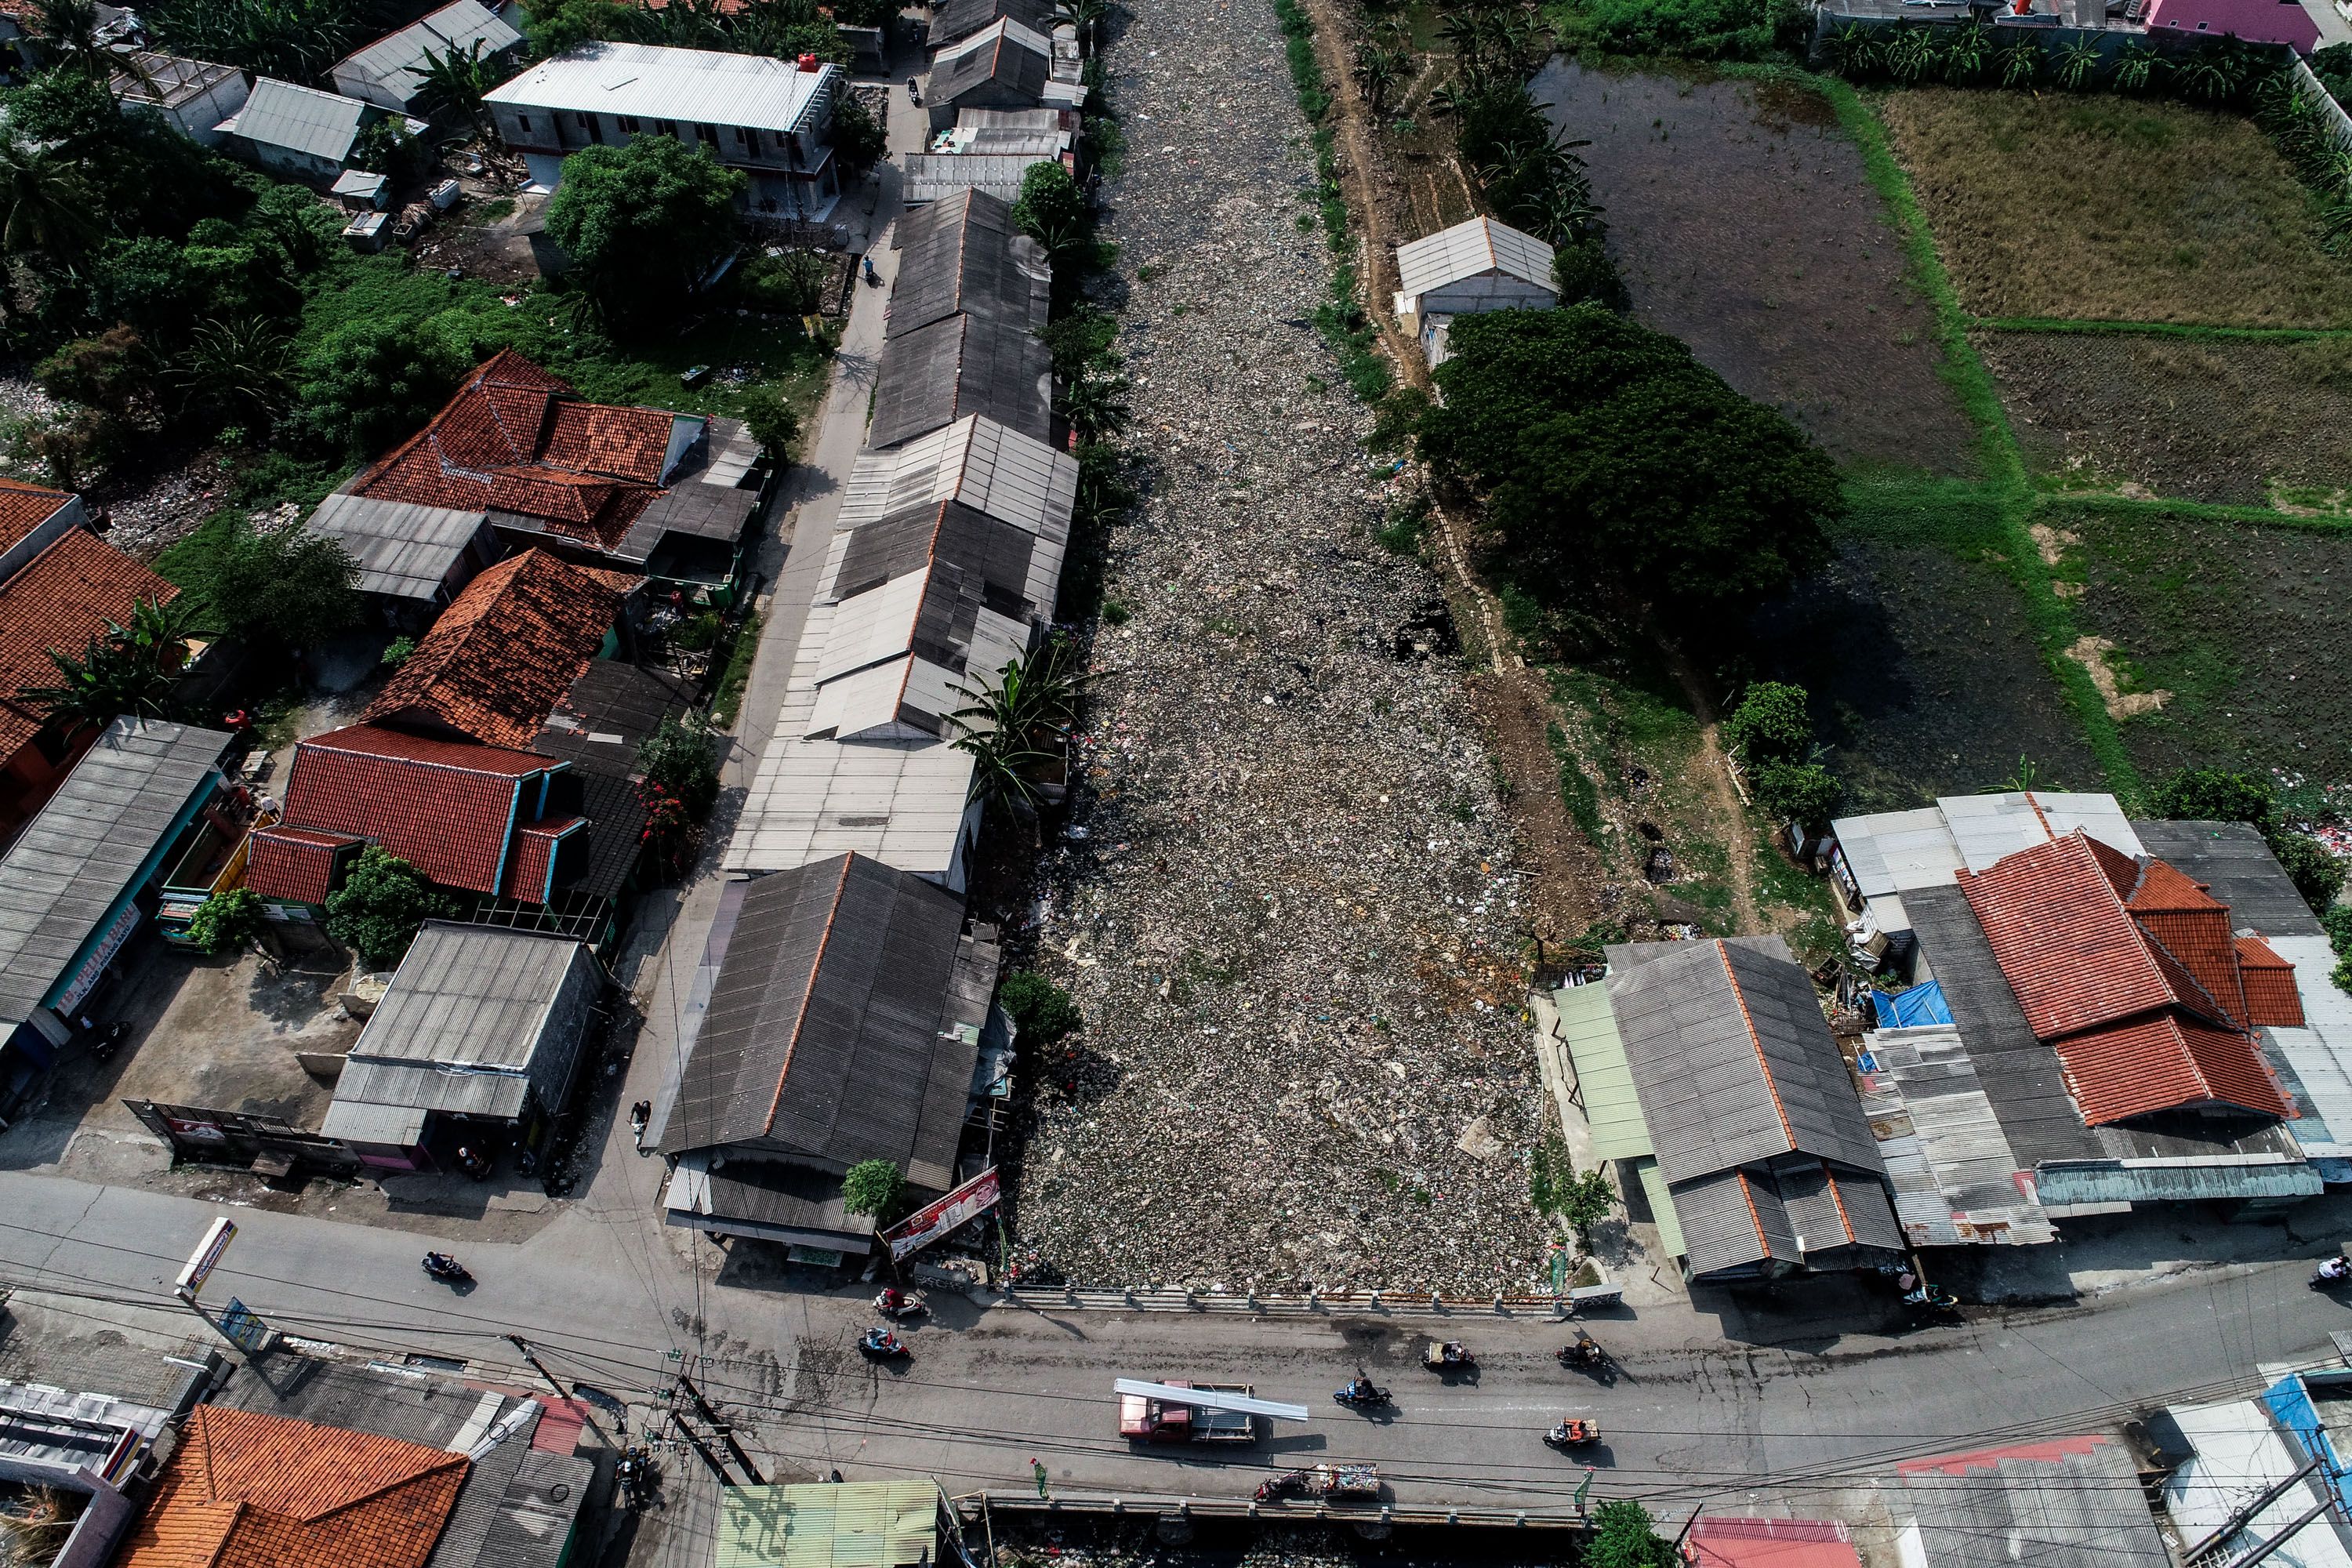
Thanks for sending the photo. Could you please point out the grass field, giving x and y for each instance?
(1745, 224)
(2110, 208)
(2235, 422)
(2245, 628)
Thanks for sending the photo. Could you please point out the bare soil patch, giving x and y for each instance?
(1742, 221)
(2244, 626)
(2107, 208)
(2209, 420)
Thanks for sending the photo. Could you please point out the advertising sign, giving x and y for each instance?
(934, 1220)
(206, 1258)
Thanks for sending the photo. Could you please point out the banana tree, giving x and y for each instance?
(1014, 730)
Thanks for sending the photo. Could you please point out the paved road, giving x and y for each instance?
(1693, 1416)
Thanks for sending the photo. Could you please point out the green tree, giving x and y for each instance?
(2215, 795)
(1510, 370)
(238, 372)
(68, 34)
(1624, 1537)
(293, 40)
(2317, 874)
(291, 586)
(385, 146)
(1585, 1200)
(456, 83)
(1096, 406)
(1010, 727)
(1674, 496)
(563, 25)
(1079, 343)
(1041, 1011)
(45, 204)
(1052, 209)
(770, 421)
(373, 381)
(859, 140)
(1773, 723)
(643, 224)
(678, 757)
(874, 1188)
(1582, 272)
(1806, 793)
(111, 370)
(132, 669)
(383, 901)
(228, 921)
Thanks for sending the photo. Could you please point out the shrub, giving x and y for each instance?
(874, 1188)
(1693, 29)
(1582, 272)
(370, 383)
(1772, 724)
(1624, 1537)
(2215, 795)
(1041, 1010)
(1806, 793)
(292, 587)
(678, 757)
(2316, 875)
(226, 921)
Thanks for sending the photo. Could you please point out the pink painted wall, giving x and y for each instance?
(2256, 21)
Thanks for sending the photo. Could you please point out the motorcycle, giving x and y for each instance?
(2337, 1270)
(108, 1040)
(471, 1162)
(1584, 1355)
(1930, 1299)
(635, 1477)
(1451, 1355)
(896, 1304)
(1289, 1484)
(914, 92)
(1574, 1432)
(1362, 1395)
(881, 1344)
(447, 1269)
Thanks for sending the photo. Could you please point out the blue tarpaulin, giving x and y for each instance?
(1921, 1003)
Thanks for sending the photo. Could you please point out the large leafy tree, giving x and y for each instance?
(291, 586)
(294, 40)
(1052, 209)
(1674, 494)
(45, 204)
(382, 902)
(1513, 370)
(644, 224)
(372, 382)
(132, 670)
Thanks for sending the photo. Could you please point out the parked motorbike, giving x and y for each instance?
(896, 1304)
(1574, 1432)
(881, 1344)
(914, 92)
(1931, 1299)
(108, 1040)
(473, 1163)
(447, 1269)
(1362, 1395)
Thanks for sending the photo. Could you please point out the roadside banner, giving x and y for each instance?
(243, 1328)
(934, 1220)
(207, 1256)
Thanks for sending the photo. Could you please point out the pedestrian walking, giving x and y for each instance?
(1038, 1466)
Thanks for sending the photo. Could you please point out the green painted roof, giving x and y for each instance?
(859, 1525)
(1661, 1205)
(1604, 1077)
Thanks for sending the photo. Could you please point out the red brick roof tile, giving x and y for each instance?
(514, 439)
(2163, 1063)
(64, 596)
(250, 1491)
(295, 863)
(500, 658)
(2059, 932)
(535, 849)
(23, 508)
(2271, 999)
(447, 808)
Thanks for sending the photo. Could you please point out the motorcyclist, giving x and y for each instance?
(2338, 1267)
(891, 1300)
(441, 1264)
(882, 1342)
(1361, 1390)
(1559, 1434)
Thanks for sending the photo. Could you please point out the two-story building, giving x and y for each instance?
(771, 119)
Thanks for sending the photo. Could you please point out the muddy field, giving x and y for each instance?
(2241, 627)
(1925, 673)
(1740, 217)
(2211, 421)
(2104, 208)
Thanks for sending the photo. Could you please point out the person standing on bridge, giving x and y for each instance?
(1038, 1466)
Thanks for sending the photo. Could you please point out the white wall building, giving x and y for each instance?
(1473, 266)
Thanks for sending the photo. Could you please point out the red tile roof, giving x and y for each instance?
(515, 439)
(500, 658)
(2129, 969)
(535, 849)
(64, 596)
(447, 808)
(250, 1491)
(2049, 1450)
(2271, 999)
(294, 863)
(1731, 1543)
(23, 508)
(2162, 1063)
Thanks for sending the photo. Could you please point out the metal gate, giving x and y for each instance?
(267, 1144)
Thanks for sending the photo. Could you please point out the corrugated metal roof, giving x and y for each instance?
(700, 86)
(958, 367)
(300, 119)
(977, 461)
(169, 82)
(2064, 1184)
(962, 18)
(1891, 851)
(392, 66)
(2065, 1502)
(1604, 1079)
(477, 1017)
(964, 255)
(357, 1121)
(1989, 827)
(2230, 859)
(1946, 1153)
(937, 177)
(2238, 1456)
(2319, 1055)
(97, 838)
(1731, 1223)
(854, 1524)
(1661, 1205)
(1469, 250)
(1003, 54)
(403, 551)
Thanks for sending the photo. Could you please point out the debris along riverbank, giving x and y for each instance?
(1288, 904)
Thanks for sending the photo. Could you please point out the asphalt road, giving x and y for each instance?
(1692, 1417)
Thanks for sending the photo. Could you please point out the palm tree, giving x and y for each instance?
(67, 32)
(45, 205)
(457, 81)
(1096, 407)
(236, 370)
(1013, 729)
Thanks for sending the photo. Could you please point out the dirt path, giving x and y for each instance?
(1515, 702)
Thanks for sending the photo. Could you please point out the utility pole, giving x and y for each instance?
(541, 1367)
(1687, 1523)
(699, 1447)
(726, 1432)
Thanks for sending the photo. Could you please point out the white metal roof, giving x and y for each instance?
(2240, 1455)
(1209, 1399)
(404, 550)
(1895, 851)
(1013, 477)
(703, 86)
(2320, 1053)
(392, 65)
(1470, 250)
(1003, 29)
(300, 118)
(935, 176)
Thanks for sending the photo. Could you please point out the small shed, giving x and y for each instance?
(298, 131)
(192, 96)
(1473, 266)
(481, 1026)
(357, 191)
(411, 558)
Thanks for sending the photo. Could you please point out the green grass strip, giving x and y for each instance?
(2065, 327)
(2008, 498)
(2201, 511)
